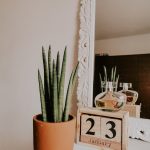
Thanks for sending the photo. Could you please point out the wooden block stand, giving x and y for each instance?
(134, 110)
(101, 129)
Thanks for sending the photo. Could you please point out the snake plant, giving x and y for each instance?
(55, 103)
(112, 78)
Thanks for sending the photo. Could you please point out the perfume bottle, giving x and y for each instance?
(110, 100)
(132, 95)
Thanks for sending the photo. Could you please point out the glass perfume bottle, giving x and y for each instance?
(132, 95)
(110, 100)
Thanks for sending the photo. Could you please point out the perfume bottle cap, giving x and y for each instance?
(110, 85)
(126, 85)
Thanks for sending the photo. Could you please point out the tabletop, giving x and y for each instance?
(133, 145)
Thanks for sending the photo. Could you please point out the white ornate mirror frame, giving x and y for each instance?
(138, 128)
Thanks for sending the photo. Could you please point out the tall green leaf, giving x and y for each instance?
(112, 73)
(114, 76)
(46, 82)
(55, 93)
(58, 70)
(50, 85)
(69, 94)
(46, 77)
(61, 85)
(50, 65)
(105, 73)
(101, 81)
(42, 97)
(117, 79)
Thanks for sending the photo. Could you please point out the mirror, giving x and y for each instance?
(138, 127)
(122, 31)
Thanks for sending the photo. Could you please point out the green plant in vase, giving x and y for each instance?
(113, 77)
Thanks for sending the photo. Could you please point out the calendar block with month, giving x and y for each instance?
(101, 129)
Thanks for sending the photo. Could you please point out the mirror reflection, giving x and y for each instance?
(122, 45)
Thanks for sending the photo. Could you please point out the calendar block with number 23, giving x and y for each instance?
(107, 130)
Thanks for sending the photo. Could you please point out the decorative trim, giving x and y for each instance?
(138, 128)
(86, 53)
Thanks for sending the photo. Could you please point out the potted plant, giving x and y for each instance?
(54, 129)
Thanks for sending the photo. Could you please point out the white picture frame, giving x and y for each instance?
(139, 128)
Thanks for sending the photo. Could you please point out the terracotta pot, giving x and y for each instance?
(53, 136)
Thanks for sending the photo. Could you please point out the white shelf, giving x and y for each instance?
(133, 145)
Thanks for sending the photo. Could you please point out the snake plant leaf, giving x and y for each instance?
(50, 65)
(55, 93)
(46, 76)
(42, 98)
(75, 73)
(117, 79)
(50, 85)
(114, 76)
(69, 94)
(105, 73)
(61, 85)
(112, 73)
(100, 77)
(46, 84)
(58, 70)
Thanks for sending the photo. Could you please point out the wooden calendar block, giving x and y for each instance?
(106, 130)
(89, 125)
(111, 129)
(134, 110)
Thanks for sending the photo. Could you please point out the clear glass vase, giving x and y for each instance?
(132, 95)
(110, 100)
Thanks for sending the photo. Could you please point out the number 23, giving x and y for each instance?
(112, 128)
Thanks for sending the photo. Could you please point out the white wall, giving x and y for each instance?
(137, 44)
(26, 25)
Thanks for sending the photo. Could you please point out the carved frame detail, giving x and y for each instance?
(86, 52)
